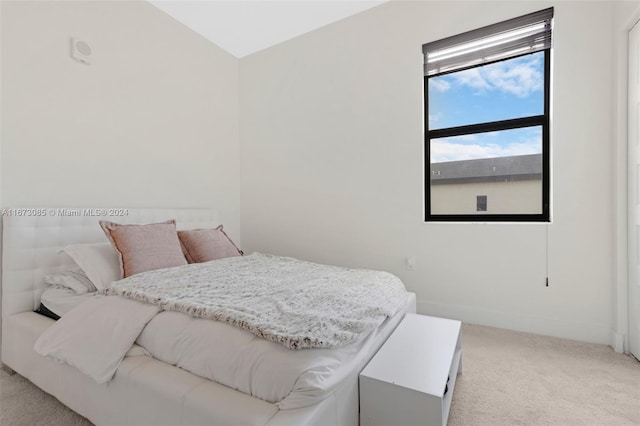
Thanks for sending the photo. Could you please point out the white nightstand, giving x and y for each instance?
(404, 384)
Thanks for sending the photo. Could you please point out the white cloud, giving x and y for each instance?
(519, 77)
(444, 150)
(472, 78)
(520, 80)
(439, 84)
(434, 118)
(467, 138)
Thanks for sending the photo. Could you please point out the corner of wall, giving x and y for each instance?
(618, 342)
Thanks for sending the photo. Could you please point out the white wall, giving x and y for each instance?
(332, 167)
(331, 146)
(626, 14)
(153, 122)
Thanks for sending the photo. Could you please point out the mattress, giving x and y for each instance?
(245, 362)
(255, 366)
(163, 395)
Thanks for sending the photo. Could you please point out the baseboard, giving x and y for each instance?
(617, 341)
(592, 333)
(7, 369)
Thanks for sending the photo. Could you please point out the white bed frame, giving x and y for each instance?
(144, 391)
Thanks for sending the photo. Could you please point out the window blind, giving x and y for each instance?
(525, 34)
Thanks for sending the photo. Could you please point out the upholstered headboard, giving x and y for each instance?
(32, 239)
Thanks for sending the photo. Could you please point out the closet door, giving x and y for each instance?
(634, 190)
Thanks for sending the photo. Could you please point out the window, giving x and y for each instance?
(481, 203)
(486, 95)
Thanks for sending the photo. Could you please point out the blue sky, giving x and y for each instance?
(499, 91)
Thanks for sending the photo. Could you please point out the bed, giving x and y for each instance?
(144, 390)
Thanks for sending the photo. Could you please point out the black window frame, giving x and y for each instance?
(542, 120)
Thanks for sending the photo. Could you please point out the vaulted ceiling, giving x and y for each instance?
(244, 27)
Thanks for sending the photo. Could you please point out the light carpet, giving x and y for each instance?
(512, 378)
(508, 378)
(23, 404)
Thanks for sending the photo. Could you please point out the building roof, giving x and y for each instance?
(500, 169)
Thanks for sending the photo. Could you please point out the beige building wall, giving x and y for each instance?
(515, 197)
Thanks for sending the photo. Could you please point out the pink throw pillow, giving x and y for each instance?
(145, 247)
(203, 245)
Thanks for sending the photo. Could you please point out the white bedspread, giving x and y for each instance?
(296, 303)
(61, 300)
(95, 336)
(250, 364)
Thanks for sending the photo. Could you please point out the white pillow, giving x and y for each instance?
(74, 279)
(99, 261)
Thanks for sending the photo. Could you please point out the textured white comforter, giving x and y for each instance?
(296, 303)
